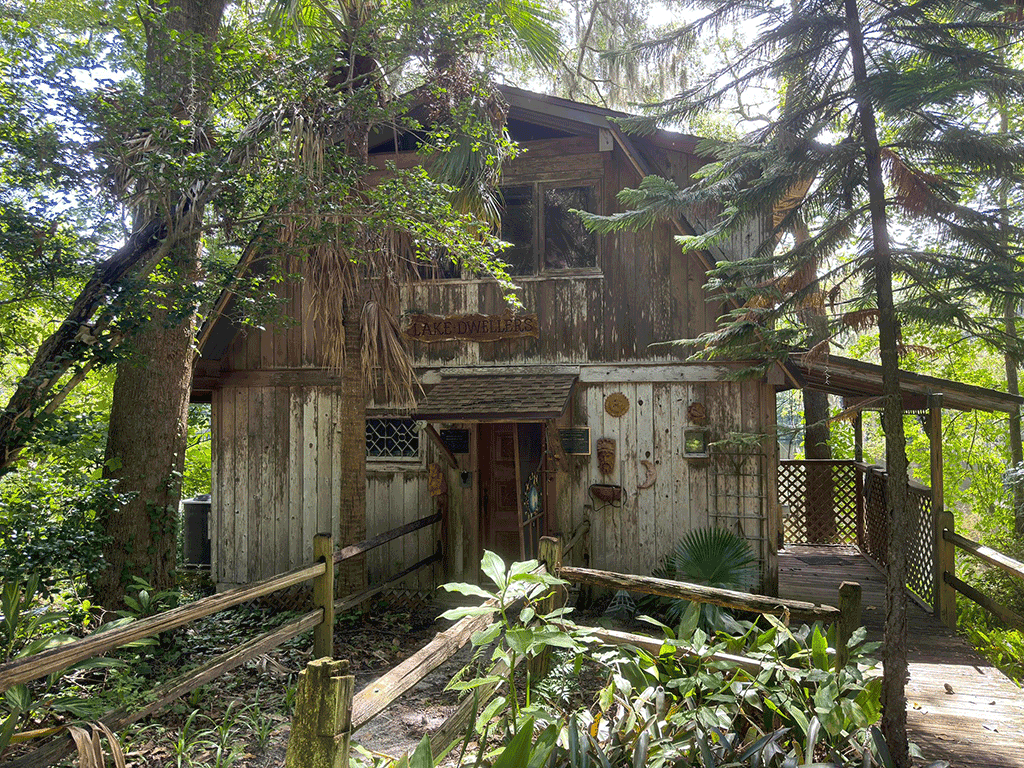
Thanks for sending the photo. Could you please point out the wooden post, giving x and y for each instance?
(858, 437)
(849, 620)
(935, 452)
(945, 562)
(323, 596)
(550, 554)
(858, 474)
(322, 721)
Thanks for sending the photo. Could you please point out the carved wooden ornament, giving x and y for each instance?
(606, 455)
(436, 481)
(616, 404)
(697, 412)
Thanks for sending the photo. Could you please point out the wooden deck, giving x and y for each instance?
(981, 723)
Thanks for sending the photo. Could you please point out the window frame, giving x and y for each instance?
(406, 462)
(538, 188)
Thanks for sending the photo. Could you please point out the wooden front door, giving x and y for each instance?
(499, 495)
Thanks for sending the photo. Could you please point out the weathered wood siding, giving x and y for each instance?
(276, 456)
(397, 495)
(644, 289)
(688, 493)
(275, 485)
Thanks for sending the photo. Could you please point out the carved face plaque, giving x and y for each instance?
(606, 455)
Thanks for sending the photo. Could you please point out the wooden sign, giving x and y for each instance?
(456, 440)
(431, 328)
(575, 441)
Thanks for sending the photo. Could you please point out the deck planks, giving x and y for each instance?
(980, 724)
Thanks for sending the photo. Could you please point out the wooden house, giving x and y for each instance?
(538, 420)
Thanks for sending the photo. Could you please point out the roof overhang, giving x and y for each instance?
(478, 397)
(860, 384)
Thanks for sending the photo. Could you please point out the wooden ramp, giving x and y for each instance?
(981, 723)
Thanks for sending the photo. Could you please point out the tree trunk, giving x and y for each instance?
(351, 428)
(894, 648)
(1010, 360)
(820, 510)
(148, 418)
(145, 454)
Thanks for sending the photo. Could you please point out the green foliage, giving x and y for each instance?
(808, 164)
(198, 457)
(686, 705)
(30, 625)
(49, 523)
(713, 557)
(522, 631)
(143, 601)
(1003, 647)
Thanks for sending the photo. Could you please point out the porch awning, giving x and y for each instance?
(857, 381)
(497, 397)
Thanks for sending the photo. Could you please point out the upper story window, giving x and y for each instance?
(546, 236)
(390, 439)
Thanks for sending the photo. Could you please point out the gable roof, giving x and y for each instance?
(574, 118)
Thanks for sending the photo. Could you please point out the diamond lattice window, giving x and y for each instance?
(392, 439)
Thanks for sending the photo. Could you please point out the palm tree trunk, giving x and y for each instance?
(894, 649)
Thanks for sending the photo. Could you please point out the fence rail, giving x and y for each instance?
(320, 620)
(947, 581)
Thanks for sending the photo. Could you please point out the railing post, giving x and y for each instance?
(849, 620)
(323, 596)
(549, 552)
(322, 721)
(859, 473)
(945, 562)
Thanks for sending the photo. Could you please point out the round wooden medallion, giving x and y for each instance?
(616, 404)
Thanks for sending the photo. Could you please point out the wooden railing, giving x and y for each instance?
(824, 499)
(355, 711)
(946, 581)
(320, 620)
(845, 502)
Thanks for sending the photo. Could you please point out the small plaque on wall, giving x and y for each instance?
(456, 440)
(576, 441)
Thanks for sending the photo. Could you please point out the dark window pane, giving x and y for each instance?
(517, 228)
(567, 243)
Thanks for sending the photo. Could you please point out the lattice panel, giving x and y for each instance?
(921, 552)
(876, 517)
(822, 502)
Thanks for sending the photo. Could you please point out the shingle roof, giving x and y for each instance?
(497, 397)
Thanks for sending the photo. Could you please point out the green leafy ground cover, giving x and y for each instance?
(683, 706)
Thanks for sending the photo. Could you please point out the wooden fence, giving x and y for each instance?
(947, 583)
(320, 620)
(360, 708)
(826, 506)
